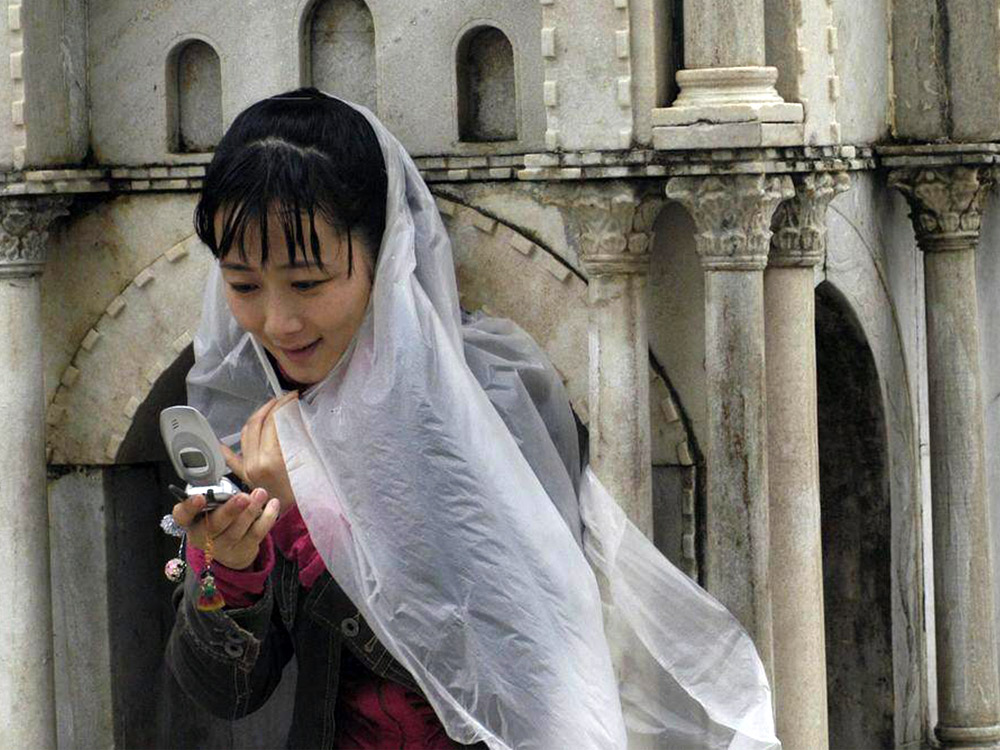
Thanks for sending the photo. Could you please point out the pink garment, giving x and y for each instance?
(372, 712)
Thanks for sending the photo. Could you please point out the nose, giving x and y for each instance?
(283, 319)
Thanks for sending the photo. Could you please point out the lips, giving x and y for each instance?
(300, 354)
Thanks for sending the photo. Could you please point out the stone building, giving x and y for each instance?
(746, 232)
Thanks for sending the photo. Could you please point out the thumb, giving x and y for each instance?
(234, 461)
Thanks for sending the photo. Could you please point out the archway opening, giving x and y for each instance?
(855, 509)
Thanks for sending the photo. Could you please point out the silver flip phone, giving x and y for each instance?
(194, 452)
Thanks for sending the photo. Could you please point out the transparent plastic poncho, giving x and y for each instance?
(437, 470)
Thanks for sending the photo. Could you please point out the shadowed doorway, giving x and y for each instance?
(854, 497)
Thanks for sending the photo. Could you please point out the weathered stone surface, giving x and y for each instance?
(27, 687)
(796, 555)
(733, 217)
(24, 233)
(723, 33)
(946, 208)
(945, 87)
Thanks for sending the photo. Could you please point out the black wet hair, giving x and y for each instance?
(301, 152)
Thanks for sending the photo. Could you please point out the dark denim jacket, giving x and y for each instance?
(231, 661)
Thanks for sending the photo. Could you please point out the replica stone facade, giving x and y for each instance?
(758, 239)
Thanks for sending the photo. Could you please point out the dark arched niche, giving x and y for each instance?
(854, 496)
(340, 38)
(487, 96)
(150, 709)
(194, 97)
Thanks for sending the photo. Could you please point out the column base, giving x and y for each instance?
(737, 107)
(968, 738)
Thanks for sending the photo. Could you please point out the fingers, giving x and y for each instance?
(259, 528)
(222, 517)
(186, 511)
(259, 435)
(251, 430)
(234, 461)
(238, 528)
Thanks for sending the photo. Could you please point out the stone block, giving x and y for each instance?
(728, 135)
(727, 113)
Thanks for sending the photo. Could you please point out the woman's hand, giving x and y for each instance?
(237, 527)
(260, 463)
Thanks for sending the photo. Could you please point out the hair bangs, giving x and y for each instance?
(276, 184)
(290, 158)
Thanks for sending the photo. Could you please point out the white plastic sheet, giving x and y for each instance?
(436, 468)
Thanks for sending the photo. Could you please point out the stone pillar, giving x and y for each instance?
(798, 245)
(615, 224)
(732, 214)
(27, 691)
(727, 93)
(946, 209)
(723, 34)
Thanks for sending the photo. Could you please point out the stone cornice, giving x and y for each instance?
(185, 175)
(24, 233)
(938, 155)
(799, 224)
(946, 203)
(732, 214)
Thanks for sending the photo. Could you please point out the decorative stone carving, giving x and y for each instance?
(799, 224)
(945, 203)
(24, 232)
(733, 216)
(614, 227)
(613, 222)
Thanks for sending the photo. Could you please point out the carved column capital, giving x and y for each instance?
(24, 232)
(732, 214)
(615, 226)
(946, 204)
(799, 224)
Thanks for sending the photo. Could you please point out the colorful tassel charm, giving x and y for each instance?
(209, 598)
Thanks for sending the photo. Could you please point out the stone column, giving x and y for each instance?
(798, 245)
(727, 93)
(946, 209)
(27, 691)
(614, 223)
(733, 218)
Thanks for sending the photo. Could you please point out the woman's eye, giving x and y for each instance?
(242, 288)
(304, 286)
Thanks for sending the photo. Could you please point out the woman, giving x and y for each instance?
(430, 567)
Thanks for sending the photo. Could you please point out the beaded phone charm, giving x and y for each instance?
(175, 567)
(209, 598)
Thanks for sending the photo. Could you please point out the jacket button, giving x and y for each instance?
(349, 626)
(232, 649)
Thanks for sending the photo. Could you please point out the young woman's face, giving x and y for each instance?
(304, 315)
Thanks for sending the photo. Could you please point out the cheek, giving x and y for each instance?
(246, 312)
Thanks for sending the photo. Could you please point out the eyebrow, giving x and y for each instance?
(244, 267)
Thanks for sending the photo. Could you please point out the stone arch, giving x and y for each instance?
(338, 43)
(487, 86)
(854, 269)
(194, 96)
(856, 520)
(138, 336)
